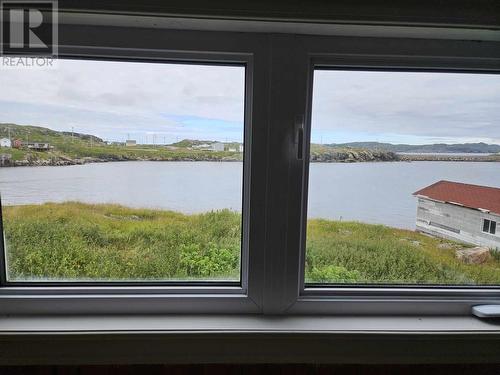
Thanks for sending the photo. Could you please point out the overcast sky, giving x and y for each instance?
(117, 100)
(405, 107)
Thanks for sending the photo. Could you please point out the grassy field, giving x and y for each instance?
(364, 253)
(80, 241)
(75, 240)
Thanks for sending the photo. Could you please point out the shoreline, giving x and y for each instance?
(353, 158)
(90, 160)
(446, 157)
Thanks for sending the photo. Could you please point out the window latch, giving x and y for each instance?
(486, 311)
(299, 136)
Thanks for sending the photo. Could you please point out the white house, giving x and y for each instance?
(463, 212)
(217, 146)
(5, 142)
(38, 146)
(203, 146)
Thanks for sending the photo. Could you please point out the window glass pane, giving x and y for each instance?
(493, 227)
(121, 171)
(403, 165)
(486, 225)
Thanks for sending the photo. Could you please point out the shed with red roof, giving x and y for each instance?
(459, 211)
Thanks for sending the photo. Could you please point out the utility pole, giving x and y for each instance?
(8, 130)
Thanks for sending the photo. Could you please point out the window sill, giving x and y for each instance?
(246, 339)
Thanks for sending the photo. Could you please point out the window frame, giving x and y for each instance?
(280, 101)
(378, 54)
(244, 296)
(489, 230)
(235, 60)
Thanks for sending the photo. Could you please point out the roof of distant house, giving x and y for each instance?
(472, 196)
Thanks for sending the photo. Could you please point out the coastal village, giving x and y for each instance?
(23, 145)
(37, 146)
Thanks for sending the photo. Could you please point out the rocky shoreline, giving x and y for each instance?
(351, 156)
(447, 157)
(65, 161)
(329, 156)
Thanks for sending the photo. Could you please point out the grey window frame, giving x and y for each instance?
(280, 98)
(115, 43)
(381, 54)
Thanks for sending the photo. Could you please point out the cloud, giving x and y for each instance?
(113, 99)
(411, 105)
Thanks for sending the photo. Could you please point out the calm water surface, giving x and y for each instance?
(368, 192)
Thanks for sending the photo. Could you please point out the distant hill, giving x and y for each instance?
(38, 133)
(433, 148)
(68, 148)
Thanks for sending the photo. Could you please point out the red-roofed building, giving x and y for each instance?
(464, 212)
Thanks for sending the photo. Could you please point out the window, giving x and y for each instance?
(123, 171)
(270, 191)
(489, 226)
(396, 159)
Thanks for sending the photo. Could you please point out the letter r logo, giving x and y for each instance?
(29, 28)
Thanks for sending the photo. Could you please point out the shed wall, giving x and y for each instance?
(456, 223)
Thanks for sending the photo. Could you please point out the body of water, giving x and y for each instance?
(367, 192)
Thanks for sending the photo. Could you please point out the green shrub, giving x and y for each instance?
(209, 261)
(333, 274)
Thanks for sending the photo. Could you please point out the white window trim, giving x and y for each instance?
(489, 227)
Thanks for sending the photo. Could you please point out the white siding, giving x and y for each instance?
(456, 222)
(5, 142)
(217, 146)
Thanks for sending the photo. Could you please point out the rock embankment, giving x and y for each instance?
(63, 160)
(352, 156)
(448, 157)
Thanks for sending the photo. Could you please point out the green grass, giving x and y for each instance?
(81, 241)
(364, 253)
(68, 241)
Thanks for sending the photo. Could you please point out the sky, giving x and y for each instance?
(128, 100)
(164, 103)
(405, 107)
